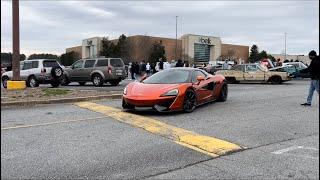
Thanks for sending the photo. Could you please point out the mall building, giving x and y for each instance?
(190, 47)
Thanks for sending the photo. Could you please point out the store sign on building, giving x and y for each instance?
(205, 40)
(89, 42)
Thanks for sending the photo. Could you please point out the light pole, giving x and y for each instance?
(15, 39)
(285, 46)
(175, 54)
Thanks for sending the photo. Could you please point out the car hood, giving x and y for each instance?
(149, 90)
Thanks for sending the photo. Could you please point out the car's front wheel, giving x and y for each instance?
(97, 80)
(55, 83)
(5, 80)
(190, 101)
(223, 93)
(276, 80)
(32, 82)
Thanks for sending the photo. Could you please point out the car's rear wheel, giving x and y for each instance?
(5, 80)
(55, 83)
(125, 105)
(223, 93)
(97, 80)
(276, 80)
(32, 82)
(82, 83)
(190, 101)
(114, 82)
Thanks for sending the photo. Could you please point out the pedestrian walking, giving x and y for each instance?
(148, 67)
(136, 70)
(131, 70)
(160, 64)
(225, 65)
(314, 70)
(166, 65)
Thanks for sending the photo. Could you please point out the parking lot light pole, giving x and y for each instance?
(175, 54)
(285, 46)
(15, 39)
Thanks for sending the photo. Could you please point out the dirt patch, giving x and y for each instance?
(31, 94)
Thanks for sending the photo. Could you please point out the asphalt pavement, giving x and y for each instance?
(64, 141)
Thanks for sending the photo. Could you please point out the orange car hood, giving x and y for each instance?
(147, 90)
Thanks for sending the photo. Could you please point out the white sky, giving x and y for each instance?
(52, 26)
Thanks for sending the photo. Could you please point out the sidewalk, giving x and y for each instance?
(44, 95)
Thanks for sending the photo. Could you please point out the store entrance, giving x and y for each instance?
(201, 52)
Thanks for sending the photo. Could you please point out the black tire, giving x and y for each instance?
(223, 93)
(126, 105)
(55, 84)
(97, 80)
(114, 82)
(82, 83)
(276, 80)
(190, 101)
(32, 82)
(231, 80)
(56, 72)
(5, 81)
(65, 81)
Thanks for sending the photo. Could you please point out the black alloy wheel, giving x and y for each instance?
(190, 101)
(223, 93)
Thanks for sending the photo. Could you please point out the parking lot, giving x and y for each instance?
(280, 138)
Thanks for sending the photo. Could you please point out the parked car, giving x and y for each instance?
(96, 70)
(175, 89)
(212, 69)
(37, 71)
(293, 70)
(254, 72)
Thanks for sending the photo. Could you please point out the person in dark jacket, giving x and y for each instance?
(314, 70)
(179, 63)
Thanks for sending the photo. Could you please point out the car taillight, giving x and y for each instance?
(109, 70)
(43, 70)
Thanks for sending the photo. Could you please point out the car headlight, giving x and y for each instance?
(125, 91)
(173, 92)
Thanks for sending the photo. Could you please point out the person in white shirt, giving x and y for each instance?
(148, 68)
(166, 65)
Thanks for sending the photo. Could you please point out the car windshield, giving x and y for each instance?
(169, 77)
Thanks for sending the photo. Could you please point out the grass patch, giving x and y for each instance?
(54, 92)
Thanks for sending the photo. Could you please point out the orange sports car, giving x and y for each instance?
(175, 89)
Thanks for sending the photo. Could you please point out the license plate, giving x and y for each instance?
(118, 74)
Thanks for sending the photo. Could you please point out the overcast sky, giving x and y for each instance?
(52, 26)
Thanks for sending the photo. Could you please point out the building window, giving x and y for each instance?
(201, 52)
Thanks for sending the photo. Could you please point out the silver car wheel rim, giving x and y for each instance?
(96, 80)
(32, 82)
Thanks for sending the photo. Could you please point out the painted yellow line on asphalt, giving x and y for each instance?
(204, 144)
(51, 123)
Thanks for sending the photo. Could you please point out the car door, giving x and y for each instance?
(77, 68)
(203, 89)
(29, 68)
(87, 69)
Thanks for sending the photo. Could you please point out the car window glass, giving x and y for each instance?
(27, 65)
(251, 68)
(35, 64)
(89, 63)
(50, 63)
(78, 64)
(116, 62)
(165, 77)
(196, 74)
(238, 68)
(102, 62)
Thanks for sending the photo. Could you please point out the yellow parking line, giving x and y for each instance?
(204, 144)
(51, 123)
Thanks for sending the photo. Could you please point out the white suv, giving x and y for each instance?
(37, 71)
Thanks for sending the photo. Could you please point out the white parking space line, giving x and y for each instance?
(286, 149)
(286, 152)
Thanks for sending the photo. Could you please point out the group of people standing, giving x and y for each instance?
(140, 69)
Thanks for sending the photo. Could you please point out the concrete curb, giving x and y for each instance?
(62, 100)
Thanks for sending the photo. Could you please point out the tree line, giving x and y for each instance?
(255, 55)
